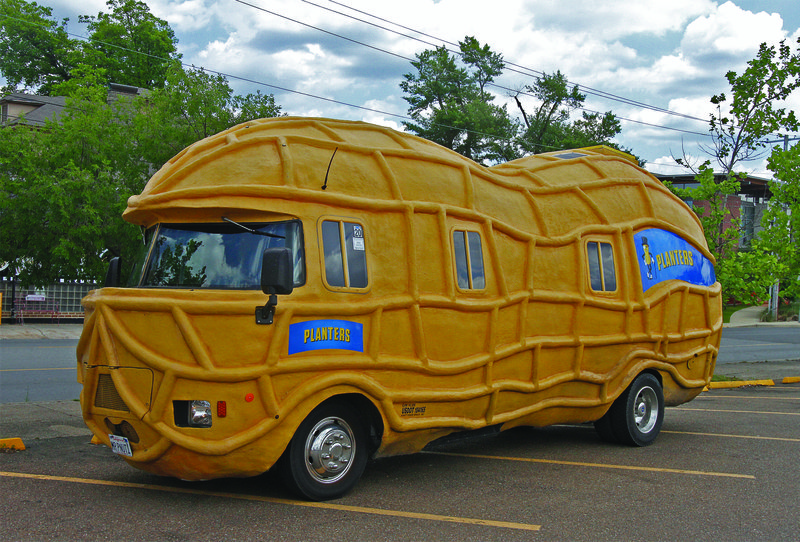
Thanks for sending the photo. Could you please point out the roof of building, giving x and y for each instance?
(47, 107)
(756, 187)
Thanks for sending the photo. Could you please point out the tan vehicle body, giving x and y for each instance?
(536, 345)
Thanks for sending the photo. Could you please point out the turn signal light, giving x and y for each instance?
(222, 409)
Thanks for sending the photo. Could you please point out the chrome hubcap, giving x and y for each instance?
(645, 409)
(330, 448)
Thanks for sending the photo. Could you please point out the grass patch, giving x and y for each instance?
(723, 378)
(727, 310)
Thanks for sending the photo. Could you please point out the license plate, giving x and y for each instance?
(120, 445)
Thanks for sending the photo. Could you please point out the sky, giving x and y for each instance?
(346, 58)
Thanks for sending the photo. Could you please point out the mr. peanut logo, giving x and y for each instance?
(648, 258)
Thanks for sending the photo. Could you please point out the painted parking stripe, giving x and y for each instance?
(321, 505)
(735, 411)
(763, 398)
(598, 465)
(754, 437)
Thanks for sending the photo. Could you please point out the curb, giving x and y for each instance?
(12, 444)
(791, 380)
(741, 384)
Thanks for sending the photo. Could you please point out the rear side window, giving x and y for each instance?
(345, 254)
(602, 275)
(468, 253)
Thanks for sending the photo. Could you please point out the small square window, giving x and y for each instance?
(345, 254)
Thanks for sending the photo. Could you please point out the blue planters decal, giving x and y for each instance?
(665, 256)
(326, 334)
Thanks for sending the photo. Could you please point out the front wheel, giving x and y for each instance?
(636, 416)
(328, 453)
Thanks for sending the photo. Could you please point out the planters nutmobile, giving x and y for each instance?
(316, 292)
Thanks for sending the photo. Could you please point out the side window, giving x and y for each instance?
(345, 254)
(602, 276)
(469, 260)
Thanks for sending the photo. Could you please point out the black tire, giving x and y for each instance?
(327, 454)
(636, 416)
(604, 429)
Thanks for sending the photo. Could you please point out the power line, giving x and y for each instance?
(259, 8)
(527, 72)
(317, 97)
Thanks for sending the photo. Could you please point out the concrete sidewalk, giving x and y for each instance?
(751, 316)
(40, 331)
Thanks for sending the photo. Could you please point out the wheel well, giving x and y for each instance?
(369, 414)
(655, 374)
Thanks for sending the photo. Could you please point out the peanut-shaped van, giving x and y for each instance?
(312, 293)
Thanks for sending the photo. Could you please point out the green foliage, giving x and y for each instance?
(747, 275)
(63, 188)
(449, 104)
(193, 105)
(128, 46)
(35, 49)
(753, 111)
(709, 204)
(131, 44)
(781, 222)
(740, 128)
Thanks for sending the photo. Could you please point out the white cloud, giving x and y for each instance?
(670, 54)
(731, 33)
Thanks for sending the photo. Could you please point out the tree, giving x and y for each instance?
(63, 187)
(134, 46)
(740, 129)
(128, 46)
(193, 105)
(782, 219)
(754, 111)
(449, 104)
(549, 127)
(35, 49)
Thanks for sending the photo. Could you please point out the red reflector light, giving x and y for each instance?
(222, 409)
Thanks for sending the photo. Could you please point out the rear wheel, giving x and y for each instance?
(636, 416)
(327, 454)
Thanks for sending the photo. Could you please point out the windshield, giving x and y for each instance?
(218, 256)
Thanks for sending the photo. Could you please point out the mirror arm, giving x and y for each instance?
(265, 314)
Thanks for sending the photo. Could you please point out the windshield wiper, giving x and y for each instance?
(254, 232)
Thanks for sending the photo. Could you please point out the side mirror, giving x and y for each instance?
(113, 273)
(277, 277)
(277, 274)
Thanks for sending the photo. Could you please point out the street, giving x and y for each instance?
(33, 370)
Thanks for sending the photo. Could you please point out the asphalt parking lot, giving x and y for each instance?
(724, 468)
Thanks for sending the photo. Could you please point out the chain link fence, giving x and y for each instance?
(56, 302)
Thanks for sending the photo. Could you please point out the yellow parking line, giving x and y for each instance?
(598, 465)
(735, 411)
(784, 439)
(765, 398)
(273, 500)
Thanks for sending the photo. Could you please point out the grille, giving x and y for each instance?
(107, 395)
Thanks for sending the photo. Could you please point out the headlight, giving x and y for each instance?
(200, 414)
(195, 413)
